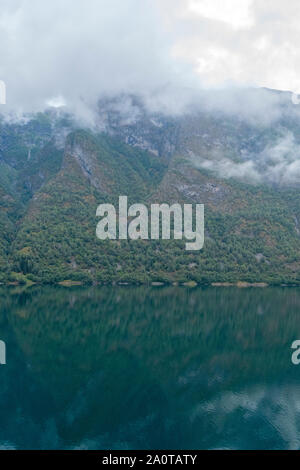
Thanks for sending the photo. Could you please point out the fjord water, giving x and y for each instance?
(149, 368)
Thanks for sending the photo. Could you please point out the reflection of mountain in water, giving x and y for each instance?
(149, 368)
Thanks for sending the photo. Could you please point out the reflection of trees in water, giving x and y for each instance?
(132, 364)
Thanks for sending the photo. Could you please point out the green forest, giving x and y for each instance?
(49, 193)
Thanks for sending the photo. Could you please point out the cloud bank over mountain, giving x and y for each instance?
(177, 56)
(278, 163)
(73, 52)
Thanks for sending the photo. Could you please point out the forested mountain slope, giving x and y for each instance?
(53, 175)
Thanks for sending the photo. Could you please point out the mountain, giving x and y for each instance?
(244, 168)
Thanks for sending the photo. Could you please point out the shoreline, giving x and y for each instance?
(153, 284)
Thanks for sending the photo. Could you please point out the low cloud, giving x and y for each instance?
(278, 164)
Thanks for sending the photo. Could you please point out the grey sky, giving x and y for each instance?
(73, 51)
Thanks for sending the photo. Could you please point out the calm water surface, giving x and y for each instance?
(142, 368)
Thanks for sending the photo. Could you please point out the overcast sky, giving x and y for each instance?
(72, 51)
